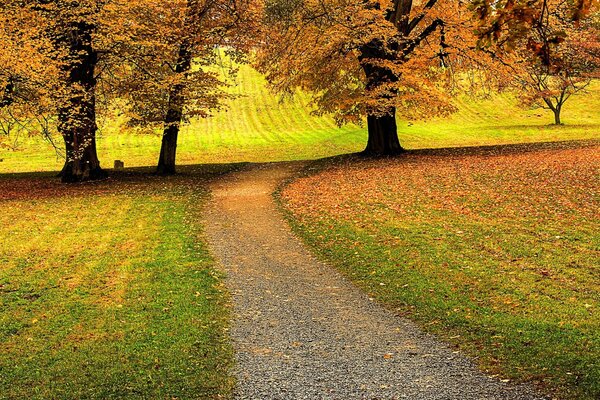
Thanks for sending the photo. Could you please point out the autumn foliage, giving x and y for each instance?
(63, 63)
(369, 58)
(155, 56)
(552, 51)
(379, 58)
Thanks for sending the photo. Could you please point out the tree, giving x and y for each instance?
(173, 63)
(554, 50)
(367, 58)
(154, 54)
(72, 28)
(382, 57)
(207, 25)
(65, 33)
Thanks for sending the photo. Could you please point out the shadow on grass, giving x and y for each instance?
(36, 185)
(43, 185)
(548, 125)
(463, 151)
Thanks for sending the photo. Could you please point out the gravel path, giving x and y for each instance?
(301, 331)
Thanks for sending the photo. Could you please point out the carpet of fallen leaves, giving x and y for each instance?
(497, 248)
(545, 184)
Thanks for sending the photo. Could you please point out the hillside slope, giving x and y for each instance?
(260, 126)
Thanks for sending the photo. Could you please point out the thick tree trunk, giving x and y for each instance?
(82, 162)
(557, 120)
(168, 148)
(77, 115)
(383, 131)
(383, 135)
(173, 119)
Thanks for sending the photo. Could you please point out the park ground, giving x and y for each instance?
(107, 290)
(495, 250)
(104, 286)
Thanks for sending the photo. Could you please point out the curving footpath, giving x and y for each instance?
(301, 331)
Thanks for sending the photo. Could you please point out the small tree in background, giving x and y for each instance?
(552, 47)
(170, 72)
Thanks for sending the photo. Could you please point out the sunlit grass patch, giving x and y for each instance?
(108, 291)
(259, 126)
(495, 250)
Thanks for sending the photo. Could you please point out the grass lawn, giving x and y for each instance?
(107, 291)
(496, 250)
(259, 126)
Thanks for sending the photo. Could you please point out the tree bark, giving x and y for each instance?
(168, 150)
(382, 129)
(82, 163)
(77, 113)
(556, 109)
(383, 135)
(557, 120)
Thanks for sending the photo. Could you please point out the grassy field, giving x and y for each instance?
(258, 126)
(107, 291)
(497, 250)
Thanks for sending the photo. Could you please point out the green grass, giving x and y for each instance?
(500, 120)
(107, 291)
(259, 126)
(496, 251)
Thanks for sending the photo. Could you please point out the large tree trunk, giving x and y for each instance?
(383, 135)
(168, 148)
(77, 114)
(173, 119)
(382, 129)
(82, 162)
(556, 112)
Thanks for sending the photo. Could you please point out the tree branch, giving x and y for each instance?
(412, 44)
(413, 24)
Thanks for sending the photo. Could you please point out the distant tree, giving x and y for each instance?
(172, 56)
(554, 49)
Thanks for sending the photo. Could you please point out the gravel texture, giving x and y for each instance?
(301, 331)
